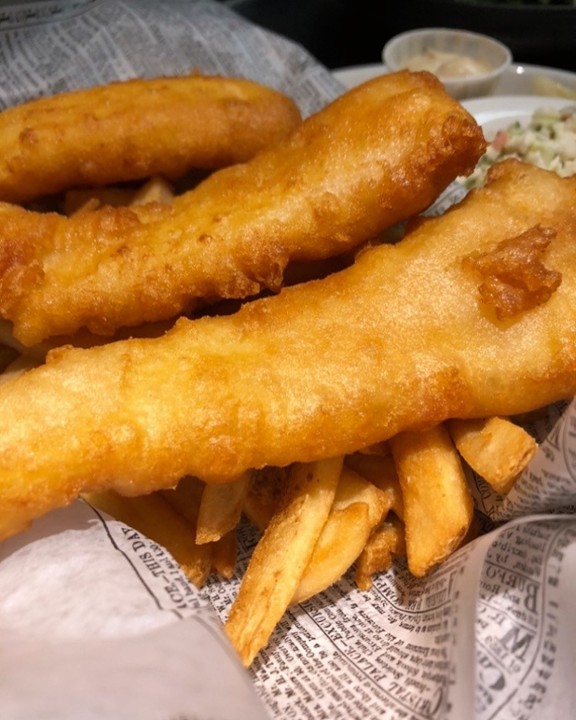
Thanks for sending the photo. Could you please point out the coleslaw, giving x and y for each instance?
(548, 141)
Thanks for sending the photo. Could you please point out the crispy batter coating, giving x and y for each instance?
(399, 341)
(137, 128)
(514, 279)
(377, 155)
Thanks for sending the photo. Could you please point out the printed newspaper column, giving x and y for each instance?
(525, 631)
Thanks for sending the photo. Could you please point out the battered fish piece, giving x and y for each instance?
(137, 128)
(401, 340)
(377, 155)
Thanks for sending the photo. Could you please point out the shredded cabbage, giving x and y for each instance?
(548, 141)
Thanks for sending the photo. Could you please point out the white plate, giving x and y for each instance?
(519, 79)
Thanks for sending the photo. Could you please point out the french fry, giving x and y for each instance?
(358, 507)
(220, 509)
(341, 542)
(154, 517)
(219, 555)
(384, 544)
(438, 506)
(495, 448)
(354, 488)
(224, 555)
(185, 499)
(380, 470)
(282, 555)
(157, 189)
(265, 492)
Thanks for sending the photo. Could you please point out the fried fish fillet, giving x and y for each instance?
(401, 340)
(377, 155)
(137, 128)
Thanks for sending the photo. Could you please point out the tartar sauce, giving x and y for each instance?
(447, 65)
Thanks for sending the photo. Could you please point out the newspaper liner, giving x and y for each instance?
(98, 622)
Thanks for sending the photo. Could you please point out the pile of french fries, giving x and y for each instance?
(406, 498)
